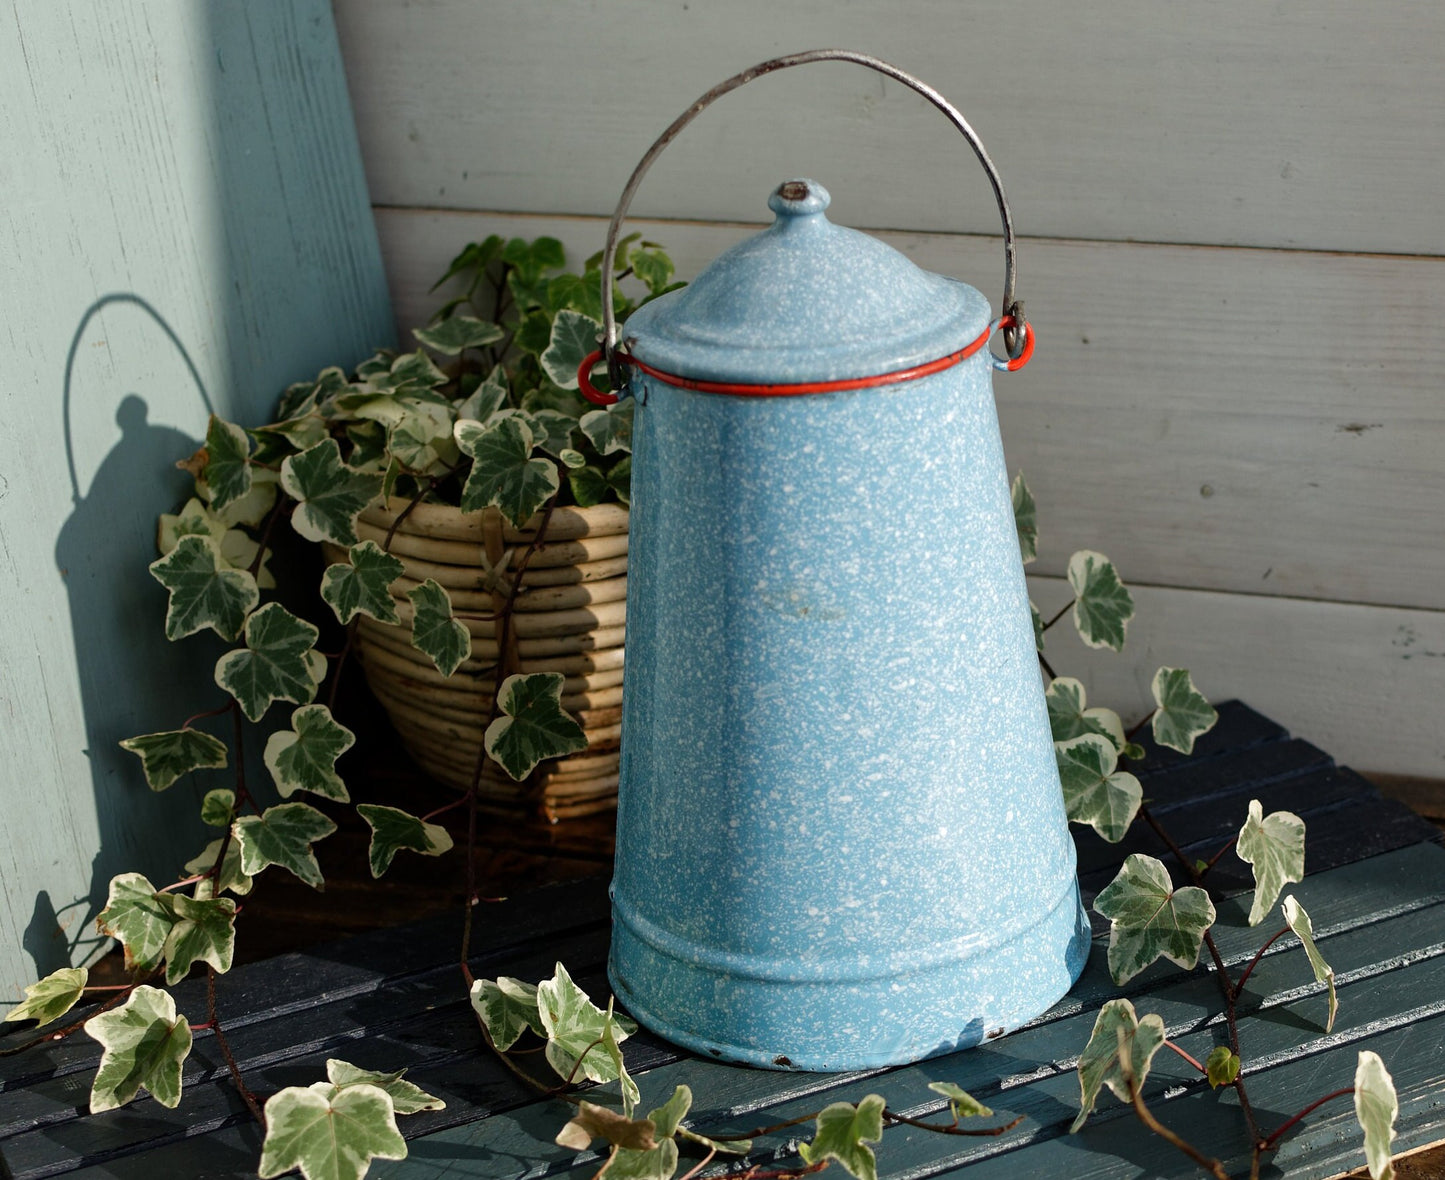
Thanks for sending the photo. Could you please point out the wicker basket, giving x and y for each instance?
(569, 617)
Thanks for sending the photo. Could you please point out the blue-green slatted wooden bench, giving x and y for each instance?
(1375, 889)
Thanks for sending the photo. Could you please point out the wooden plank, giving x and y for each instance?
(1230, 124)
(1027, 1072)
(1293, 453)
(476, 1086)
(1352, 677)
(185, 228)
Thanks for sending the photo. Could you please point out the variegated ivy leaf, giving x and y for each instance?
(1038, 627)
(205, 929)
(237, 550)
(140, 918)
(574, 335)
(421, 439)
(507, 1008)
(653, 267)
(619, 479)
(961, 1104)
(574, 1027)
(232, 877)
(533, 726)
(1183, 713)
(1026, 514)
(303, 758)
(368, 448)
(329, 494)
(434, 632)
(554, 432)
(572, 460)
(1299, 921)
(1095, 793)
(1118, 1032)
(589, 485)
(625, 1163)
(393, 829)
(1149, 918)
(52, 997)
(843, 1133)
(228, 468)
(1274, 846)
(503, 472)
(329, 1136)
(283, 835)
(250, 509)
(610, 430)
(455, 334)
(1376, 1108)
(218, 808)
(1102, 604)
(144, 1043)
(406, 1097)
(1221, 1067)
(1068, 718)
(488, 397)
(204, 590)
(613, 1048)
(363, 585)
(412, 372)
(597, 1122)
(166, 756)
(275, 664)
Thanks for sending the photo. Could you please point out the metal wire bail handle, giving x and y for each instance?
(1017, 333)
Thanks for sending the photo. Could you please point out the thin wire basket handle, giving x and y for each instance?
(1015, 333)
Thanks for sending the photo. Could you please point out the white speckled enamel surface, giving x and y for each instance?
(841, 839)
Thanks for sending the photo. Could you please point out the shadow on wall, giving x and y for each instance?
(131, 679)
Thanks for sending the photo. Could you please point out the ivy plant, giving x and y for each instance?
(485, 415)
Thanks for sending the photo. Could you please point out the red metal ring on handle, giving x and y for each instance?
(596, 396)
(1012, 364)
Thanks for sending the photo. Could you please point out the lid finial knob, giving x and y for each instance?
(799, 198)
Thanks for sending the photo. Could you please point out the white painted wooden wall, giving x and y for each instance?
(1233, 247)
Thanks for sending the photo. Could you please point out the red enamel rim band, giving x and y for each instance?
(797, 388)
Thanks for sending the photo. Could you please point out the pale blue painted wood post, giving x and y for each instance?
(184, 226)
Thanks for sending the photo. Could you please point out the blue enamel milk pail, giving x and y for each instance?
(841, 838)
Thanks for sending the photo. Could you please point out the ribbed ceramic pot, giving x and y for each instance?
(841, 835)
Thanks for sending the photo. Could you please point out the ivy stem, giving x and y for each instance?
(1279, 1131)
(1214, 860)
(756, 1173)
(761, 1131)
(1168, 1044)
(351, 628)
(1063, 610)
(443, 809)
(113, 987)
(272, 517)
(1133, 733)
(1221, 973)
(214, 1023)
(183, 882)
(216, 712)
(1208, 1163)
(1047, 667)
(949, 1129)
(698, 1167)
(1259, 954)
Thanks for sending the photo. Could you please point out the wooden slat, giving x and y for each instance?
(1258, 422)
(1232, 123)
(1353, 677)
(393, 999)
